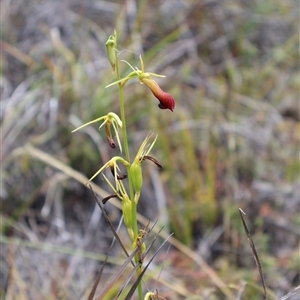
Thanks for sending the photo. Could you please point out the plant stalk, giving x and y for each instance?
(127, 155)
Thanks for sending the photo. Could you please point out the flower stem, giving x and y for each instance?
(127, 155)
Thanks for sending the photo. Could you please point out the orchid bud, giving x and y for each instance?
(111, 51)
(136, 176)
(144, 248)
(127, 212)
(166, 101)
(150, 296)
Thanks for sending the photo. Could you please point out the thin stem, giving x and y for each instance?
(123, 118)
(127, 155)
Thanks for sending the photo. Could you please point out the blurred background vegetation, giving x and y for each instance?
(232, 141)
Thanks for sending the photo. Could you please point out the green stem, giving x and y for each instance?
(127, 155)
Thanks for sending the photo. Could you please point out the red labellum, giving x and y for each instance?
(166, 101)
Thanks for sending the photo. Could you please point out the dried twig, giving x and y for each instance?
(255, 255)
(108, 221)
(93, 291)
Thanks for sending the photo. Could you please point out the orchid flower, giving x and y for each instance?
(119, 189)
(166, 101)
(112, 164)
(120, 192)
(111, 119)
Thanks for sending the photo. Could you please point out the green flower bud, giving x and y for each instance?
(150, 296)
(111, 51)
(144, 248)
(136, 176)
(127, 212)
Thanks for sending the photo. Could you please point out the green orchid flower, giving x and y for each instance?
(111, 119)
